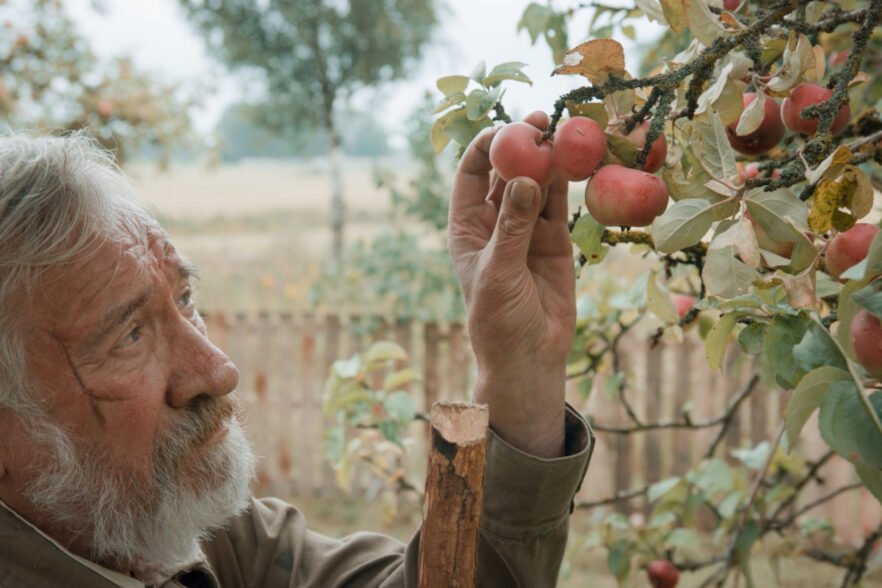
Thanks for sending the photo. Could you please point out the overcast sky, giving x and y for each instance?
(157, 37)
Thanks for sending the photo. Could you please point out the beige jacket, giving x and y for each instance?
(527, 504)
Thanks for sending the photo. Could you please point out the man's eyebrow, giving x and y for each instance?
(114, 319)
(187, 270)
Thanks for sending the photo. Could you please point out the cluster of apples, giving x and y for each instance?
(845, 250)
(616, 195)
(786, 115)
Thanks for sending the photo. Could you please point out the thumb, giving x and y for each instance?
(518, 212)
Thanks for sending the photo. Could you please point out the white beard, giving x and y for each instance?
(153, 528)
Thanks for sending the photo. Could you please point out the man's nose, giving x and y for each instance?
(196, 365)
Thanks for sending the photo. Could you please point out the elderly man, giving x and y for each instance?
(122, 462)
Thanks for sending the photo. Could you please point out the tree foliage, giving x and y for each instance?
(751, 247)
(313, 53)
(50, 80)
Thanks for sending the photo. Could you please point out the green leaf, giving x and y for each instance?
(400, 406)
(817, 348)
(452, 84)
(748, 537)
(846, 310)
(622, 148)
(752, 458)
(618, 560)
(662, 487)
(382, 351)
(682, 225)
(480, 102)
(334, 444)
(778, 225)
(870, 297)
(782, 335)
(808, 396)
(682, 537)
(702, 23)
(346, 368)
(872, 479)
(869, 439)
(596, 111)
(510, 70)
(715, 476)
(451, 100)
(681, 189)
(462, 130)
(399, 378)
(716, 151)
(659, 301)
(752, 338)
(725, 275)
(839, 417)
(730, 504)
(587, 234)
(535, 20)
(391, 431)
(718, 336)
(479, 72)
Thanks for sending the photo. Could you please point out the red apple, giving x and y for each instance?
(618, 196)
(803, 96)
(683, 302)
(848, 248)
(866, 340)
(662, 574)
(579, 145)
(657, 153)
(731, 4)
(518, 150)
(767, 135)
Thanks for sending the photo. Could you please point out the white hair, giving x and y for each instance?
(60, 197)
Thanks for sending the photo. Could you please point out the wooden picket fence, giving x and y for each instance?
(284, 359)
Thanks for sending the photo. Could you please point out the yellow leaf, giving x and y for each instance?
(596, 60)
(829, 197)
(675, 14)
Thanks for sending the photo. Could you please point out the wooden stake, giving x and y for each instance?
(454, 495)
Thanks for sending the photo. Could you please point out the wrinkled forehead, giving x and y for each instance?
(116, 264)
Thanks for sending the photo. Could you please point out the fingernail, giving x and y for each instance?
(522, 194)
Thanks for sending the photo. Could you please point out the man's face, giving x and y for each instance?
(119, 356)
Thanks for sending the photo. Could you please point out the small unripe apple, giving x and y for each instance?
(865, 332)
(657, 153)
(579, 145)
(518, 150)
(618, 196)
(780, 248)
(803, 96)
(683, 303)
(848, 248)
(751, 170)
(767, 135)
(662, 574)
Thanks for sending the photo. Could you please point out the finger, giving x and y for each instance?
(497, 189)
(472, 179)
(538, 119)
(557, 206)
(521, 203)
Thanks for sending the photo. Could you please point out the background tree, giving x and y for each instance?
(312, 54)
(50, 80)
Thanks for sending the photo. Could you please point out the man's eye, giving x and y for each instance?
(186, 298)
(131, 337)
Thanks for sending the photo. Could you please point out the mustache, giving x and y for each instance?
(201, 419)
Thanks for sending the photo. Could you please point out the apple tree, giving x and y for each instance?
(746, 160)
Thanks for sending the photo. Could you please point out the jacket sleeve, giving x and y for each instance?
(527, 503)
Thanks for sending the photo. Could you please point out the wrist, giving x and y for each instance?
(526, 407)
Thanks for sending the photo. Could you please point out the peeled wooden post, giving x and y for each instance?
(454, 495)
